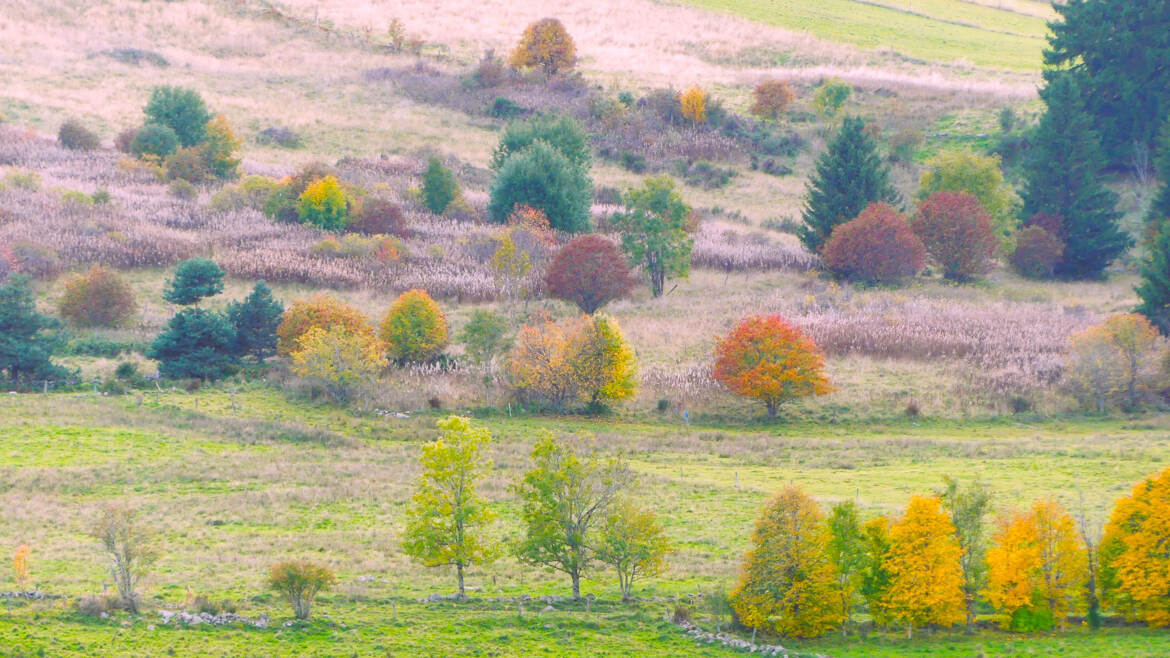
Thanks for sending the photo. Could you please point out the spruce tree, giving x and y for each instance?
(850, 175)
(1154, 289)
(1063, 177)
(1159, 212)
(195, 278)
(255, 320)
(27, 337)
(196, 344)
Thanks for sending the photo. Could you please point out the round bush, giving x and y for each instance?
(180, 109)
(97, 298)
(414, 328)
(154, 140)
(957, 233)
(323, 204)
(876, 247)
(1037, 253)
(589, 271)
(322, 311)
(72, 135)
(124, 139)
(542, 177)
(379, 216)
(188, 164)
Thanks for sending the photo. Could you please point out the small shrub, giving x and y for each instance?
(704, 174)
(545, 44)
(876, 247)
(180, 109)
(589, 271)
(36, 260)
(323, 204)
(98, 298)
(100, 196)
(155, 140)
(770, 98)
(76, 198)
(129, 543)
(1037, 253)
(693, 105)
(96, 606)
(194, 279)
(504, 108)
(124, 139)
(957, 233)
(23, 180)
(610, 196)
(322, 311)
(489, 72)
(126, 370)
(188, 165)
(633, 162)
(912, 410)
(93, 345)
(252, 192)
(299, 583)
(181, 189)
(904, 143)
(830, 96)
(74, 136)
(663, 405)
(379, 216)
(279, 136)
(439, 187)
(664, 103)
(682, 614)
(414, 328)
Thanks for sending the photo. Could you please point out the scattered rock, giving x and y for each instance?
(193, 619)
(547, 608)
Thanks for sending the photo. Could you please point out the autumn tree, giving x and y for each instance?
(1135, 566)
(1037, 253)
(926, 578)
(195, 279)
(446, 516)
(957, 234)
(980, 176)
(767, 358)
(339, 361)
(545, 44)
(20, 567)
(787, 583)
(631, 540)
(590, 271)
(582, 360)
(510, 265)
(770, 98)
(97, 298)
(414, 328)
(693, 105)
(655, 230)
(256, 319)
(1113, 362)
(847, 549)
(130, 546)
(324, 204)
(564, 496)
(968, 507)
(877, 247)
(220, 148)
(1037, 568)
(299, 582)
(849, 176)
(830, 96)
(323, 311)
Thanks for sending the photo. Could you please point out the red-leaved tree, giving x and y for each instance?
(589, 271)
(876, 247)
(956, 231)
(1037, 252)
(767, 358)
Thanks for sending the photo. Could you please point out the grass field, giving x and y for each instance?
(234, 481)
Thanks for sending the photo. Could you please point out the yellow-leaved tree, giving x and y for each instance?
(414, 328)
(545, 44)
(20, 567)
(582, 360)
(788, 584)
(1113, 362)
(1135, 564)
(693, 104)
(925, 577)
(1037, 568)
(446, 516)
(338, 360)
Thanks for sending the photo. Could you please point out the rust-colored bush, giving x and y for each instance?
(876, 247)
(545, 44)
(589, 271)
(97, 298)
(322, 311)
(379, 216)
(956, 231)
(1037, 252)
(770, 98)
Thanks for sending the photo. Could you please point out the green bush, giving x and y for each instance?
(323, 204)
(562, 133)
(439, 187)
(72, 135)
(181, 189)
(180, 109)
(543, 178)
(155, 140)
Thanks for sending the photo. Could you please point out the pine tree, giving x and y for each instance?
(849, 176)
(27, 337)
(1154, 289)
(196, 344)
(1159, 212)
(1063, 177)
(256, 319)
(1119, 53)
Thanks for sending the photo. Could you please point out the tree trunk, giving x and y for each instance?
(909, 631)
(576, 576)
(773, 407)
(459, 575)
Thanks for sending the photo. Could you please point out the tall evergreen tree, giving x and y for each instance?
(1118, 51)
(27, 338)
(850, 175)
(255, 320)
(1063, 177)
(196, 344)
(1159, 212)
(1154, 289)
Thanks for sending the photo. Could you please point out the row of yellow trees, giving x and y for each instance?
(806, 572)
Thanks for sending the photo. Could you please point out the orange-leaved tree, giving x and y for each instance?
(322, 311)
(770, 98)
(545, 44)
(787, 584)
(1135, 565)
(926, 579)
(98, 298)
(767, 358)
(1036, 569)
(414, 328)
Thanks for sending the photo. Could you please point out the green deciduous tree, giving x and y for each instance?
(633, 543)
(847, 551)
(1063, 177)
(414, 328)
(447, 515)
(655, 231)
(255, 320)
(299, 583)
(197, 344)
(540, 176)
(977, 175)
(564, 496)
(180, 109)
(849, 176)
(562, 133)
(484, 336)
(968, 506)
(194, 279)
